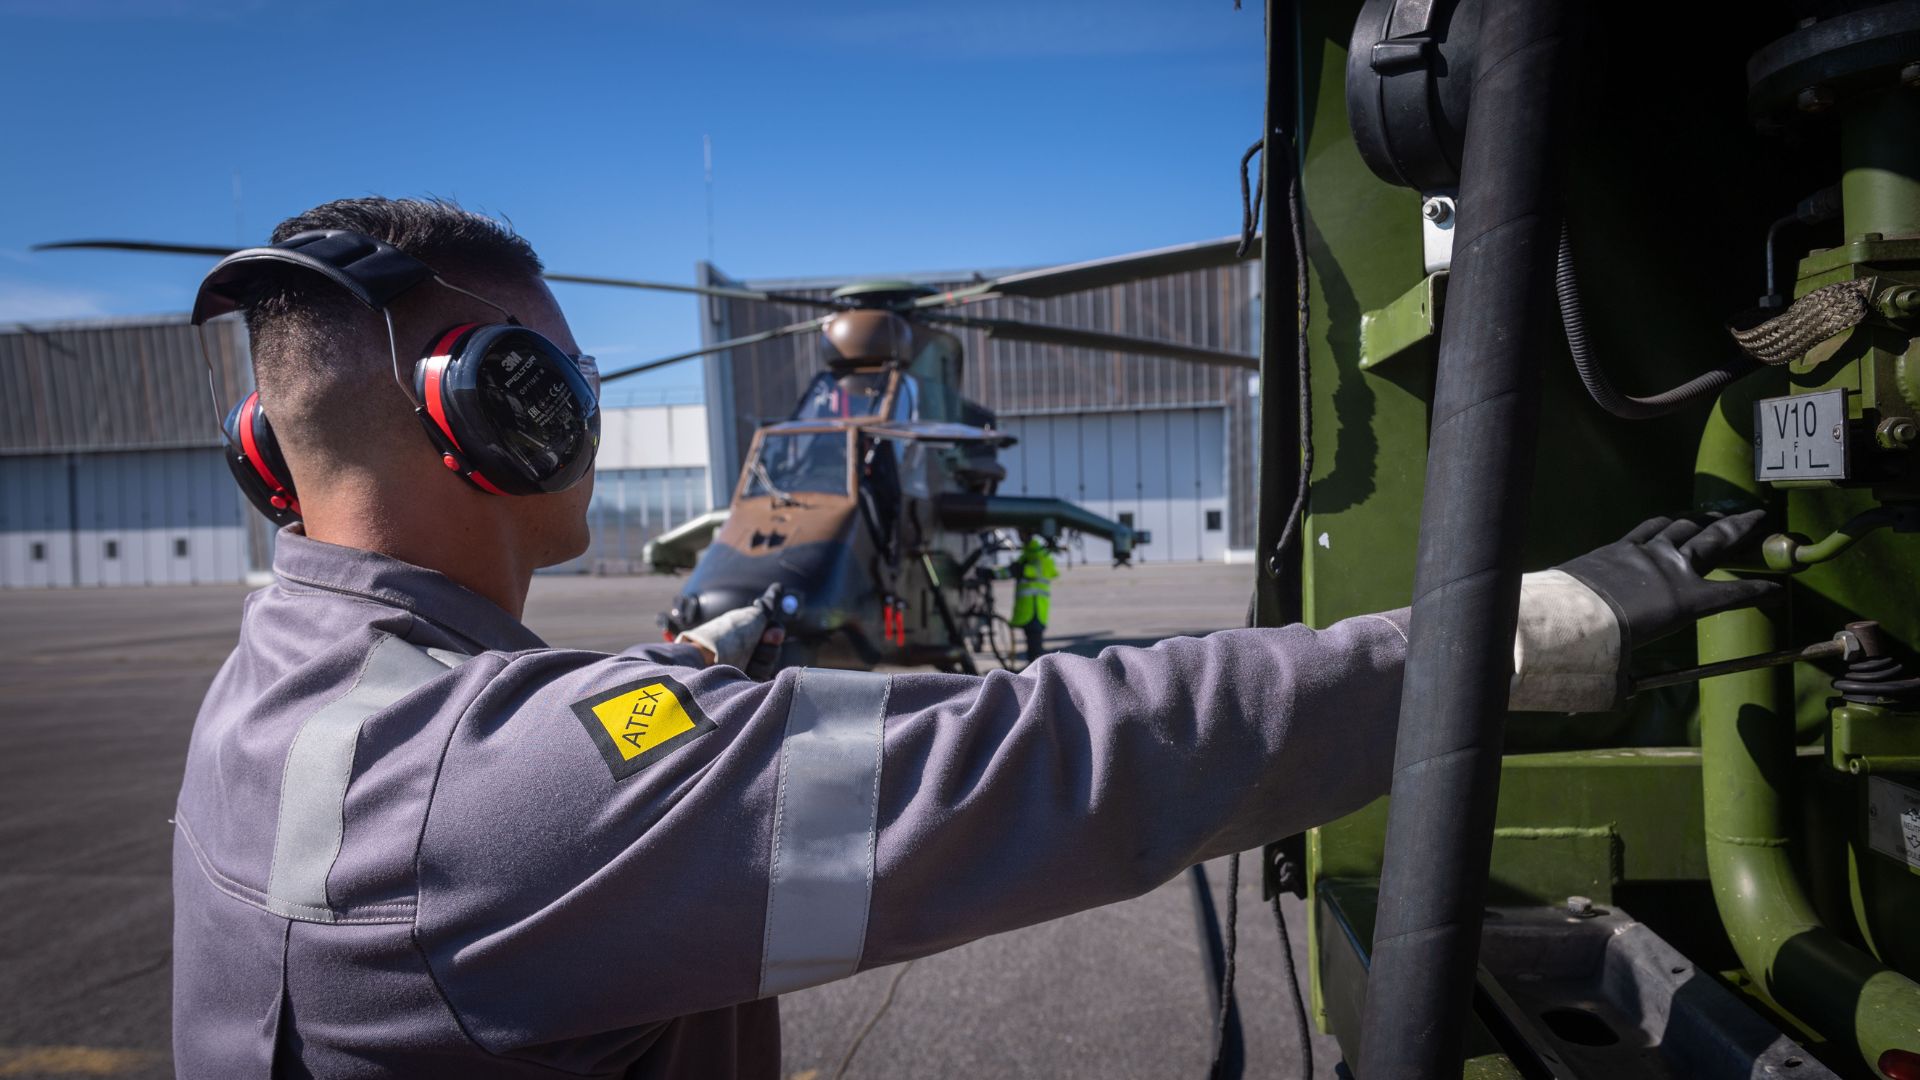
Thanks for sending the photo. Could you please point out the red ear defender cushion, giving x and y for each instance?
(253, 456)
(433, 373)
(250, 445)
(430, 377)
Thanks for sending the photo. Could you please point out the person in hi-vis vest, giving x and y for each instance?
(1033, 573)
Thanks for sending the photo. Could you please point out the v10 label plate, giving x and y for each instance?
(1801, 437)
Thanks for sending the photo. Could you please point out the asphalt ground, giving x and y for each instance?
(98, 690)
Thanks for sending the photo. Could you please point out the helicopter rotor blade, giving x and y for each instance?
(724, 292)
(137, 245)
(1011, 330)
(1097, 273)
(718, 346)
(701, 290)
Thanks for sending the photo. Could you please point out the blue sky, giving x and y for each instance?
(848, 138)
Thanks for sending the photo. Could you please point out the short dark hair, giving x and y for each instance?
(311, 354)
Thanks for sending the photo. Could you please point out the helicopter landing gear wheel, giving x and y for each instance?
(1003, 640)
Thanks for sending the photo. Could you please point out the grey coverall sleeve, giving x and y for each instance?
(797, 831)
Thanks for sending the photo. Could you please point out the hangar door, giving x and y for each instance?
(1162, 470)
(155, 517)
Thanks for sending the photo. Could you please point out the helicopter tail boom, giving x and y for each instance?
(1045, 516)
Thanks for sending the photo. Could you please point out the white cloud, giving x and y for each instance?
(24, 301)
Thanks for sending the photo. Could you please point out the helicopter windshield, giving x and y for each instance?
(829, 397)
(788, 464)
(906, 404)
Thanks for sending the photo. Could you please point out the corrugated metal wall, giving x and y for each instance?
(117, 384)
(1162, 470)
(111, 470)
(1216, 308)
(154, 517)
(110, 467)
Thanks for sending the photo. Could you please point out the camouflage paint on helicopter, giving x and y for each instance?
(870, 502)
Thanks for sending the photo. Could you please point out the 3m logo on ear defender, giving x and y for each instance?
(638, 724)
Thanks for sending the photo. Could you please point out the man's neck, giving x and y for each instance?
(476, 550)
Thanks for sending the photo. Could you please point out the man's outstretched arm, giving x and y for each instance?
(1010, 800)
(766, 836)
(613, 843)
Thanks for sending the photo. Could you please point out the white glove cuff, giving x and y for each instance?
(730, 637)
(1566, 648)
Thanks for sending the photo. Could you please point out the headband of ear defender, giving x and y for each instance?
(506, 408)
(370, 271)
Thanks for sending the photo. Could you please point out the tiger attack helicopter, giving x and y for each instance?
(875, 501)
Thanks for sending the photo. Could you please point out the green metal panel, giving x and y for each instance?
(1606, 824)
(1567, 831)
(1412, 321)
(1870, 739)
(1668, 197)
(1369, 427)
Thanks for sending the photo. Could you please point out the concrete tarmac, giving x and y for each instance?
(98, 689)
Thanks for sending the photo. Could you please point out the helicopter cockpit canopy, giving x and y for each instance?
(883, 392)
(791, 463)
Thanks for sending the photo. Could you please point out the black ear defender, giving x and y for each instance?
(254, 457)
(506, 409)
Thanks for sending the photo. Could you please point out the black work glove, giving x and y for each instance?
(764, 663)
(1654, 578)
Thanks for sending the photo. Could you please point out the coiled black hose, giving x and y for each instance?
(1566, 286)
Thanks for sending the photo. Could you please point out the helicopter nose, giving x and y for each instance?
(716, 602)
(691, 609)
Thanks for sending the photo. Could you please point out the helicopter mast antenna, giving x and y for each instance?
(706, 156)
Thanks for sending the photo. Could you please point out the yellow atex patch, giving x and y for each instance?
(637, 724)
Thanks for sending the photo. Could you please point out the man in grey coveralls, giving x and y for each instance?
(414, 840)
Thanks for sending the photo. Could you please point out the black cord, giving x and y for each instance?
(1293, 985)
(1297, 512)
(1566, 285)
(1250, 200)
(1296, 515)
(1229, 942)
(866, 1029)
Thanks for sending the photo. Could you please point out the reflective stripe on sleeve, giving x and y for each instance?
(313, 785)
(825, 825)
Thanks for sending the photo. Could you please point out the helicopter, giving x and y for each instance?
(875, 501)
(875, 504)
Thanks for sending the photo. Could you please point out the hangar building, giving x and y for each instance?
(1160, 444)
(111, 470)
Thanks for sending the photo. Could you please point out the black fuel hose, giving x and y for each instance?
(1486, 419)
(1573, 318)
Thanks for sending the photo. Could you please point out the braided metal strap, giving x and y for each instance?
(1811, 320)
